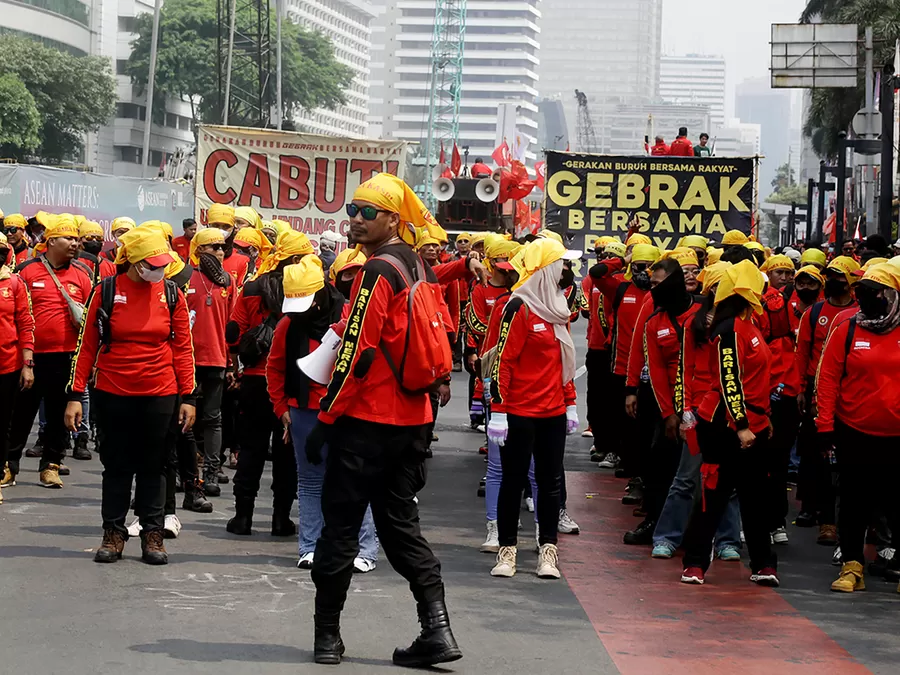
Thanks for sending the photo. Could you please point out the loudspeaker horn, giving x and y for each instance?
(317, 365)
(487, 190)
(443, 189)
(438, 171)
(497, 175)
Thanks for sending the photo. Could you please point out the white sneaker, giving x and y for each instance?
(492, 541)
(566, 524)
(506, 562)
(587, 433)
(134, 530)
(480, 428)
(611, 461)
(837, 558)
(780, 536)
(362, 566)
(529, 504)
(548, 562)
(305, 562)
(171, 527)
(743, 538)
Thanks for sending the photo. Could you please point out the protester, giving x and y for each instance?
(734, 238)
(14, 226)
(328, 242)
(223, 217)
(814, 257)
(480, 169)
(734, 428)
(703, 150)
(681, 146)
(859, 415)
(182, 245)
(142, 353)
(117, 228)
(253, 244)
(659, 147)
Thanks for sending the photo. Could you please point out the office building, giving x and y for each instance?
(770, 108)
(737, 139)
(694, 79)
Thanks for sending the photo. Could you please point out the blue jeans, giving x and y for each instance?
(309, 491)
(492, 482)
(676, 513)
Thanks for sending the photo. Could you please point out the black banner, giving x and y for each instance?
(590, 196)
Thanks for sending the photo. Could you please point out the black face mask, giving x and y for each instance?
(807, 295)
(872, 306)
(344, 286)
(93, 247)
(835, 287)
(671, 295)
(641, 280)
(567, 278)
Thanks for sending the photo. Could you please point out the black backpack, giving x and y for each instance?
(255, 344)
(108, 301)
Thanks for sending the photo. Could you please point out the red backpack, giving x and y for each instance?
(426, 359)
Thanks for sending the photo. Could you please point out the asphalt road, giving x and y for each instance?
(229, 605)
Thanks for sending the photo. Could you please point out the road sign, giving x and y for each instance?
(860, 126)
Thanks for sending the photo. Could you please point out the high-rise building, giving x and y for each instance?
(737, 139)
(770, 108)
(346, 22)
(500, 66)
(609, 49)
(694, 79)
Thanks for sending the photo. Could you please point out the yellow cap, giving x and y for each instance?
(711, 275)
(885, 274)
(683, 254)
(287, 245)
(144, 243)
(346, 260)
(813, 256)
(204, 237)
(742, 279)
(734, 237)
(755, 246)
(164, 228)
(873, 261)
(122, 223)
(268, 225)
(536, 255)
(462, 236)
(642, 253)
(44, 218)
(847, 266)
(301, 282)
(638, 238)
(694, 241)
(713, 255)
(4, 241)
(616, 247)
(220, 214)
(249, 215)
(544, 234)
(250, 236)
(89, 228)
(777, 262)
(812, 271)
(282, 226)
(498, 246)
(15, 220)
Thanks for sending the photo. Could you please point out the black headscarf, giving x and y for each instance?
(306, 326)
(671, 295)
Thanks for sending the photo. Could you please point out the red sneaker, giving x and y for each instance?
(483, 450)
(765, 577)
(692, 575)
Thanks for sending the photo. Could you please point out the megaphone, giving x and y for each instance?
(438, 171)
(487, 190)
(443, 189)
(317, 365)
(497, 175)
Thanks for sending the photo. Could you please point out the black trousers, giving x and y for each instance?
(230, 438)
(9, 391)
(818, 478)
(545, 438)
(786, 423)
(181, 461)
(659, 468)
(621, 428)
(210, 384)
(746, 471)
(642, 431)
(383, 465)
(869, 467)
(132, 434)
(51, 376)
(599, 389)
(258, 427)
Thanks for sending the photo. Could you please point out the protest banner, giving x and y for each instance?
(304, 179)
(590, 196)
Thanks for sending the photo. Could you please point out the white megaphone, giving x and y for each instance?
(487, 190)
(497, 175)
(438, 171)
(443, 189)
(317, 365)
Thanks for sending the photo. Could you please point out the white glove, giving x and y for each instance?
(571, 420)
(498, 428)
(688, 420)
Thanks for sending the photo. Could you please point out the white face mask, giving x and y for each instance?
(152, 276)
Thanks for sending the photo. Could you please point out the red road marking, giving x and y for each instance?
(651, 623)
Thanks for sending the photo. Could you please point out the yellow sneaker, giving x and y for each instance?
(851, 579)
(50, 477)
(9, 478)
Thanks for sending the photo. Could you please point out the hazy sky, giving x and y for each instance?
(739, 31)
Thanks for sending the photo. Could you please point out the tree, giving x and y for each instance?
(19, 118)
(784, 177)
(72, 95)
(789, 194)
(186, 62)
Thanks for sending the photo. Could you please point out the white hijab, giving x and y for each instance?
(543, 296)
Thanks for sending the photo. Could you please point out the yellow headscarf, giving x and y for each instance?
(616, 248)
(89, 228)
(813, 256)
(463, 236)
(734, 238)
(885, 274)
(286, 246)
(204, 237)
(392, 194)
(346, 259)
(498, 246)
(683, 254)
(694, 241)
(249, 214)
(62, 225)
(255, 238)
(478, 238)
(424, 238)
(122, 223)
(15, 220)
(544, 234)
(221, 214)
(711, 275)
(642, 253)
(777, 262)
(812, 271)
(601, 242)
(742, 279)
(44, 218)
(713, 255)
(164, 228)
(534, 256)
(142, 243)
(637, 238)
(281, 226)
(846, 266)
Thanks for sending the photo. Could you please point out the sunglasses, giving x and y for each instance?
(216, 247)
(367, 212)
(12, 230)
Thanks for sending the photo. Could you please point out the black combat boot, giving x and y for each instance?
(435, 643)
(282, 525)
(328, 648)
(194, 499)
(242, 522)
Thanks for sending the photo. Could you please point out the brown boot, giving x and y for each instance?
(111, 548)
(153, 551)
(827, 535)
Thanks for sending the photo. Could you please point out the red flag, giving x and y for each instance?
(515, 183)
(540, 169)
(443, 158)
(501, 155)
(456, 160)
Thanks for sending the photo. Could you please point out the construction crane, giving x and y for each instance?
(584, 127)
(447, 48)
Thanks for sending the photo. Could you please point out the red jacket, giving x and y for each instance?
(53, 327)
(810, 342)
(697, 374)
(526, 379)
(451, 297)
(248, 311)
(859, 387)
(182, 246)
(210, 308)
(276, 367)
(659, 149)
(362, 385)
(480, 170)
(662, 349)
(681, 147)
(478, 315)
(19, 256)
(600, 319)
(630, 299)
(107, 268)
(741, 365)
(778, 326)
(142, 360)
(634, 367)
(16, 323)
(238, 266)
